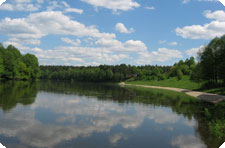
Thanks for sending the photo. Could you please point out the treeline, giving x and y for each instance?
(15, 66)
(110, 73)
(102, 73)
(211, 66)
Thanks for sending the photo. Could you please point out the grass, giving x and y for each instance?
(220, 91)
(184, 83)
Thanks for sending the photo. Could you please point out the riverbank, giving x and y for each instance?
(208, 97)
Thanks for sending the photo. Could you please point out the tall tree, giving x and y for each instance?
(32, 64)
(1, 60)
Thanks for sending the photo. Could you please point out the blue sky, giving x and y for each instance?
(93, 32)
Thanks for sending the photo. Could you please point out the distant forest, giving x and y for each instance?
(117, 73)
(210, 67)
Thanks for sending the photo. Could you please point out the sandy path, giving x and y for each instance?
(208, 97)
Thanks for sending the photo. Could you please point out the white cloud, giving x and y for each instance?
(173, 43)
(114, 139)
(114, 5)
(65, 4)
(71, 107)
(20, 5)
(120, 27)
(7, 7)
(23, 1)
(69, 41)
(115, 45)
(103, 48)
(2, 146)
(69, 9)
(2, 1)
(188, 141)
(53, 5)
(150, 8)
(38, 25)
(217, 15)
(207, 31)
(162, 55)
(194, 51)
(75, 10)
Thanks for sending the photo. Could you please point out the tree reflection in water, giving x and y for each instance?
(67, 111)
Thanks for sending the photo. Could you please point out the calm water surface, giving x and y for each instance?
(69, 115)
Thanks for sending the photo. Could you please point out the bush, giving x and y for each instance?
(179, 74)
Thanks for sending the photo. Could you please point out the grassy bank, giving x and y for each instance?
(184, 83)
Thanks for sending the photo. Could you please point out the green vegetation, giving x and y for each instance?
(102, 73)
(15, 66)
(184, 83)
(210, 117)
(207, 75)
(15, 92)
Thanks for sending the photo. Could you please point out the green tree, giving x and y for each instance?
(1, 61)
(9, 62)
(212, 61)
(179, 74)
(32, 64)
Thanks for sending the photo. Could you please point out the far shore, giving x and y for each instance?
(208, 97)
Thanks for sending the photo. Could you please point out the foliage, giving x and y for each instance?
(184, 83)
(15, 92)
(15, 66)
(179, 74)
(104, 73)
(212, 61)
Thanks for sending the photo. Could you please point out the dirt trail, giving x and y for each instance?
(208, 97)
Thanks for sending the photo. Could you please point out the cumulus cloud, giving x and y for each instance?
(120, 27)
(101, 48)
(114, 5)
(194, 51)
(217, 15)
(38, 25)
(161, 55)
(206, 31)
(69, 41)
(7, 7)
(2, 1)
(20, 5)
(2, 146)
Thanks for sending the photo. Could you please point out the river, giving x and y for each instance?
(84, 115)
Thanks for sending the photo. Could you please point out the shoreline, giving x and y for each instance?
(208, 97)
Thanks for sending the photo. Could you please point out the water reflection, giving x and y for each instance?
(12, 93)
(85, 115)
